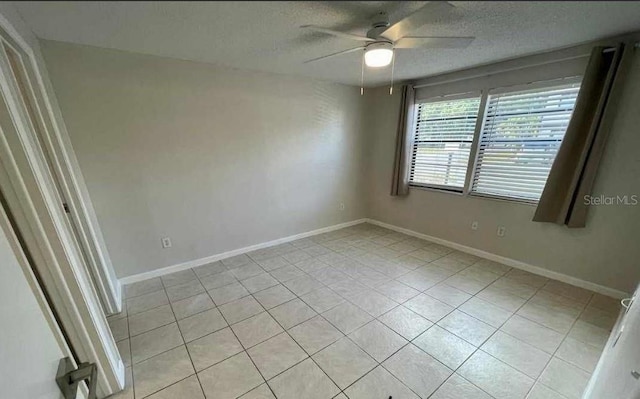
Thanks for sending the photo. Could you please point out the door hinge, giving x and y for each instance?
(69, 377)
(66, 207)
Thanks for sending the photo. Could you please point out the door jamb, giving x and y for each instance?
(26, 262)
(68, 173)
(27, 185)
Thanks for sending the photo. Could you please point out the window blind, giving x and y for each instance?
(520, 137)
(442, 142)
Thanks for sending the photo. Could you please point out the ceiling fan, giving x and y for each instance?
(382, 39)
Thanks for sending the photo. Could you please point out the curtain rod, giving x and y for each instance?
(515, 68)
(502, 70)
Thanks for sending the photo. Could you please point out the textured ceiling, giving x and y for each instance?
(265, 36)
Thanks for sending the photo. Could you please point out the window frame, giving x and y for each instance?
(448, 97)
(477, 134)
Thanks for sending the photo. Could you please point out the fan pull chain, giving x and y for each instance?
(393, 65)
(362, 76)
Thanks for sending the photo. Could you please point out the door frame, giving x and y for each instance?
(67, 172)
(36, 209)
(25, 261)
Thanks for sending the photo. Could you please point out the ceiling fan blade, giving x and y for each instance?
(420, 17)
(337, 33)
(434, 42)
(351, 50)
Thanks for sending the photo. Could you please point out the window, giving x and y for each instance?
(443, 137)
(520, 138)
(513, 148)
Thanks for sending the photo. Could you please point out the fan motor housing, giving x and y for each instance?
(380, 44)
(379, 25)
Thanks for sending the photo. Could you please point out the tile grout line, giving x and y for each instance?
(535, 380)
(454, 371)
(203, 311)
(374, 288)
(553, 355)
(185, 346)
(171, 306)
(584, 307)
(245, 351)
(374, 318)
(285, 331)
(227, 326)
(499, 329)
(296, 342)
(181, 335)
(157, 327)
(131, 351)
(293, 339)
(131, 359)
(409, 342)
(478, 348)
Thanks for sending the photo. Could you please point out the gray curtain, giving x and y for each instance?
(574, 169)
(404, 139)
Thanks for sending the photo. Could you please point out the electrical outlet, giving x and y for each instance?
(342, 206)
(501, 231)
(474, 225)
(166, 242)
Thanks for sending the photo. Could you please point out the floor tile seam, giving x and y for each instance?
(563, 339)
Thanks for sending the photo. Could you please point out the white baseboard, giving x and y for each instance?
(463, 248)
(118, 296)
(203, 261)
(509, 262)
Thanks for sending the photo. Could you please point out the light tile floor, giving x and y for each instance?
(359, 313)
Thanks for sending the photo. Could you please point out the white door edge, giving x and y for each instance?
(67, 170)
(28, 187)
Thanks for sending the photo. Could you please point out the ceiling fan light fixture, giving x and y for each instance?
(378, 54)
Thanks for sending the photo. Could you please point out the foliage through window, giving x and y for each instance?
(515, 145)
(521, 135)
(442, 142)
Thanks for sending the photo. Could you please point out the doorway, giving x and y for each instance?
(53, 265)
(32, 105)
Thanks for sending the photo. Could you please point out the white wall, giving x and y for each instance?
(606, 252)
(215, 158)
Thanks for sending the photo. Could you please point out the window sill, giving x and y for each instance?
(504, 199)
(436, 189)
(474, 195)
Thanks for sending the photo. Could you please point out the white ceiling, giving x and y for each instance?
(265, 36)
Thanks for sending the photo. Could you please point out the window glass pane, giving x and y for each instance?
(442, 142)
(521, 135)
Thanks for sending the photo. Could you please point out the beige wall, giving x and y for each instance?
(217, 159)
(606, 252)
